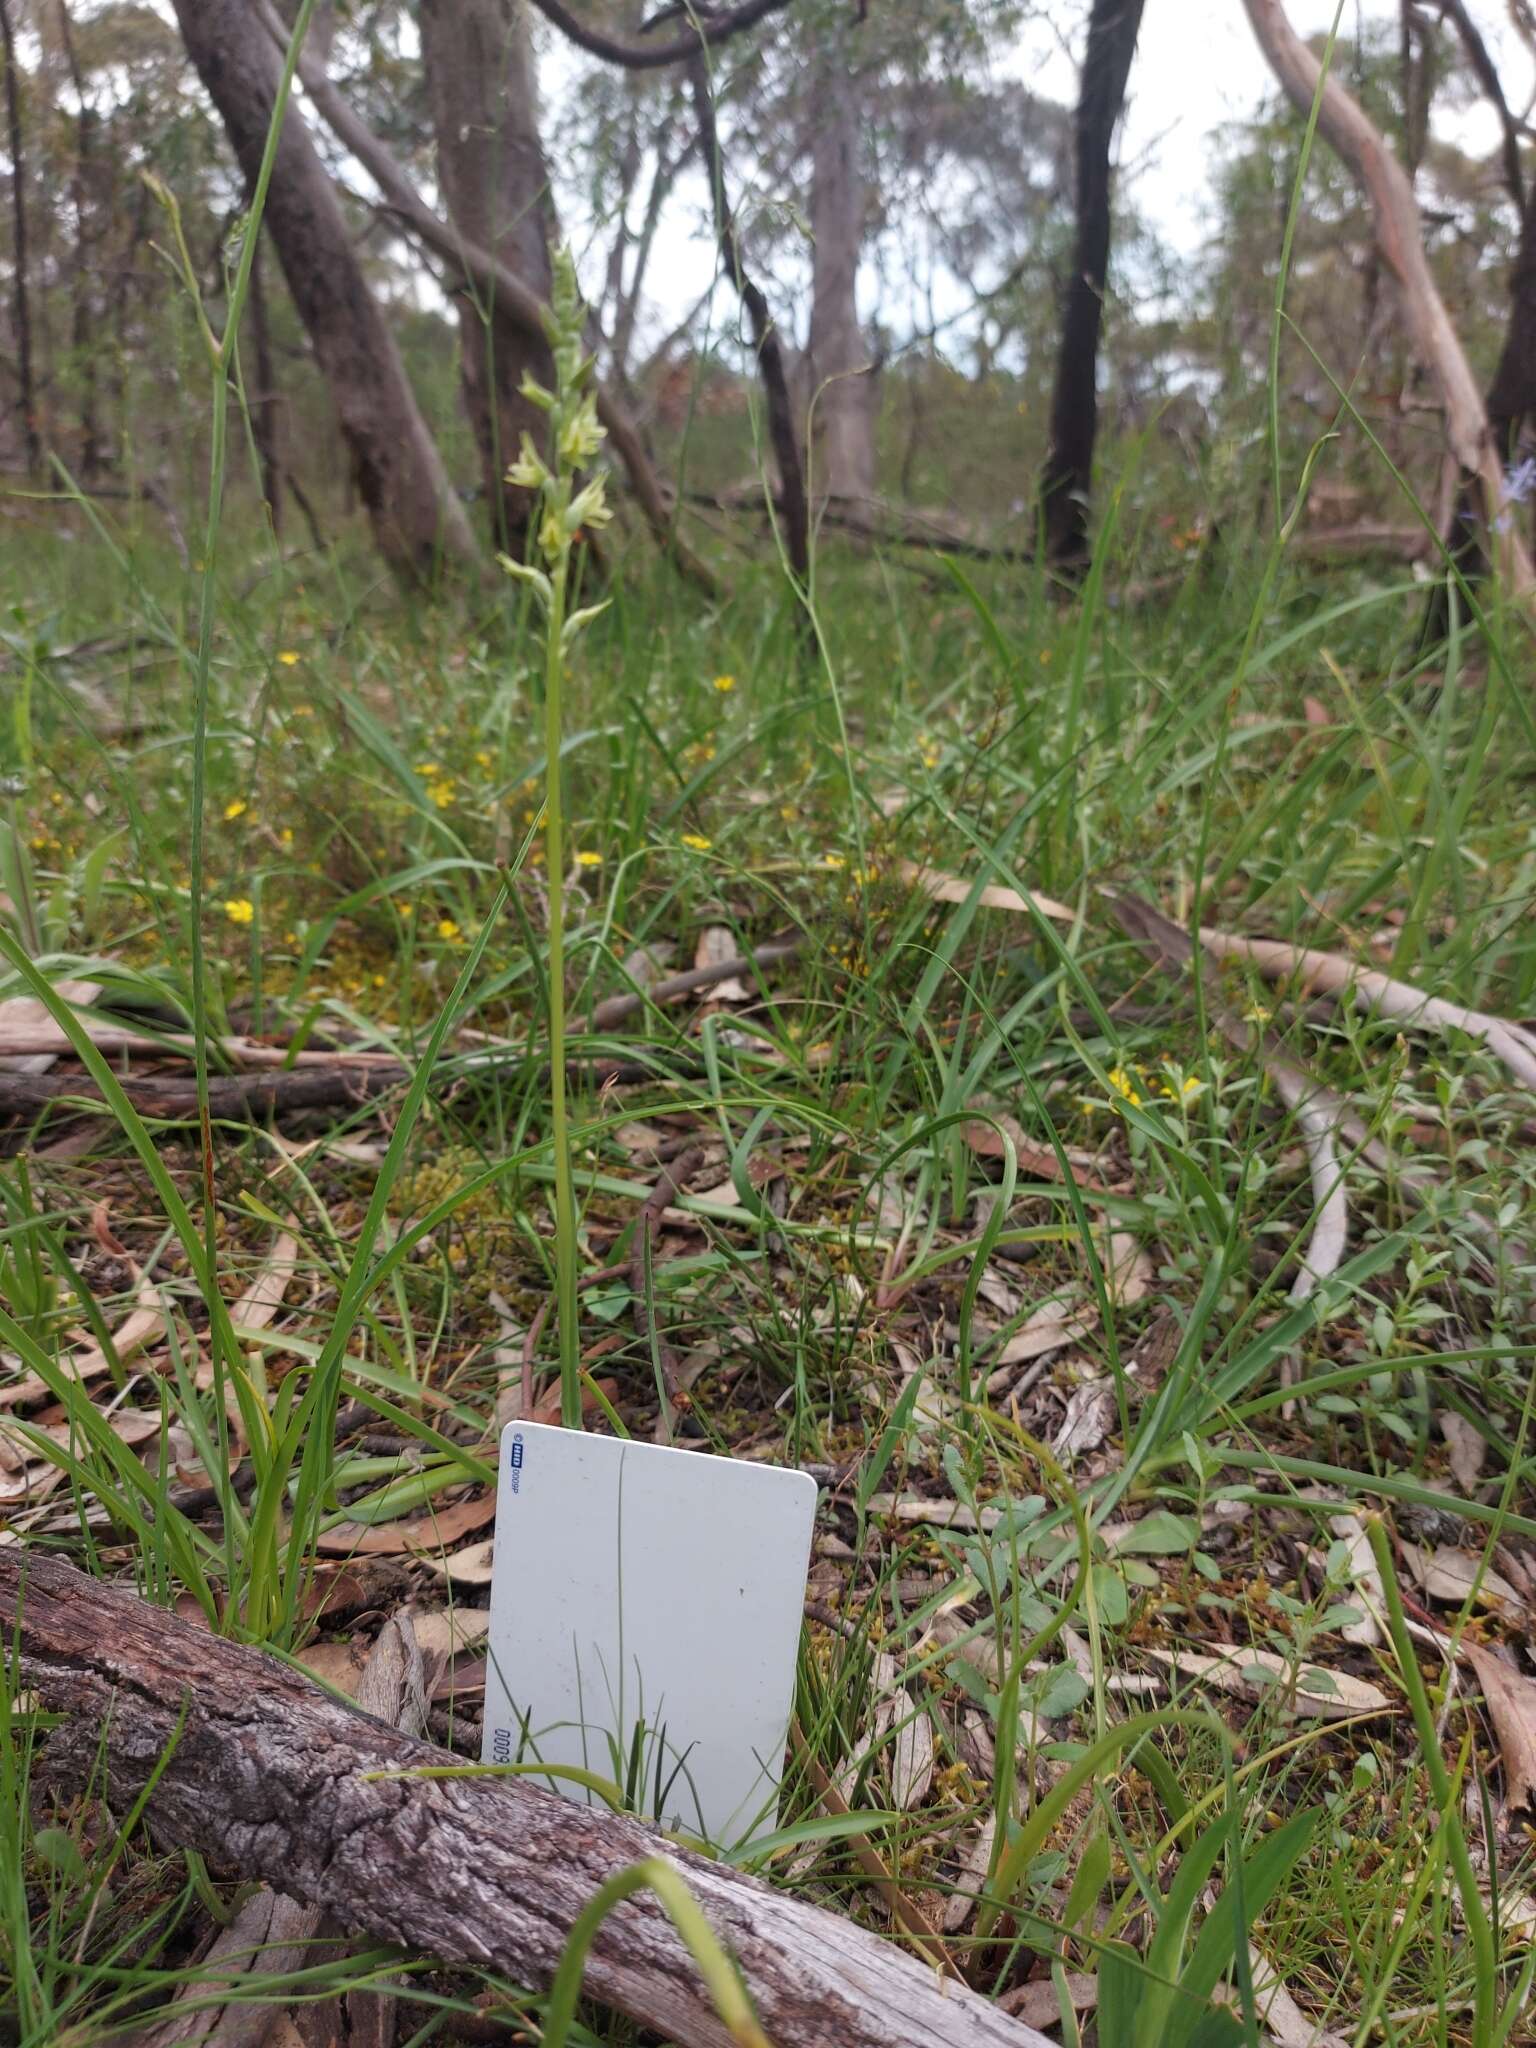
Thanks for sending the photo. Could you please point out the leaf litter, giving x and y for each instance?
(1150, 1566)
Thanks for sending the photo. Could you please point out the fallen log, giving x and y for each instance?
(331, 1080)
(268, 1777)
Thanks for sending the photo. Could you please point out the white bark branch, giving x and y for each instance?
(1400, 241)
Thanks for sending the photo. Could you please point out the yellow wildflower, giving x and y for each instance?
(1124, 1084)
(442, 794)
(482, 757)
(288, 658)
(447, 929)
(834, 860)
(725, 684)
(426, 768)
(286, 835)
(235, 808)
(239, 909)
(697, 841)
(589, 860)
(789, 813)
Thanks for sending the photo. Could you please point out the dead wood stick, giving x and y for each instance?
(614, 1009)
(1338, 975)
(1162, 939)
(351, 1078)
(268, 1776)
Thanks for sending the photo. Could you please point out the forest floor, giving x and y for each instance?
(1111, 1295)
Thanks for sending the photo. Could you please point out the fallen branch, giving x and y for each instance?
(269, 1778)
(875, 520)
(286, 1081)
(1337, 975)
(1170, 943)
(1329, 544)
(991, 896)
(1329, 1239)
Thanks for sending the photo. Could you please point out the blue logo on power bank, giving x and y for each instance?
(517, 1461)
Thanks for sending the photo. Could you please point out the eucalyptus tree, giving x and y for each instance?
(417, 520)
(478, 65)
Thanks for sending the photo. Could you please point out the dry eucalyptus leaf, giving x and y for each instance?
(1511, 1699)
(1466, 1446)
(428, 1533)
(470, 1566)
(263, 1297)
(1128, 1270)
(940, 1514)
(1286, 2023)
(337, 1664)
(984, 1135)
(646, 965)
(1366, 1632)
(25, 1021)
(717, 944)
(1053, 1325)
(1308, 1690)
(970, 1875)
(1453, 1576)
(1089, 1418)
(444, 1631)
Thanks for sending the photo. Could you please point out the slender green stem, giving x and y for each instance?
(261, 1577)
(554, 850)
(1485, 1968)
(722, 1980)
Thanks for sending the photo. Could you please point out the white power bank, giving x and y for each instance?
(645, 1618)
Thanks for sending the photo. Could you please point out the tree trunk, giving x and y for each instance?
(1345, 127)
(1511, 409)
(840, 374)
(765, 338)
(479, 267)
(1512, 394)
(21, 304)
(257, 1769)
(82, 282)
(1066, 484)
(416, 520)
(482, 90)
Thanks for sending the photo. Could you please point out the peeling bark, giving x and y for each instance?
(270, 1778)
